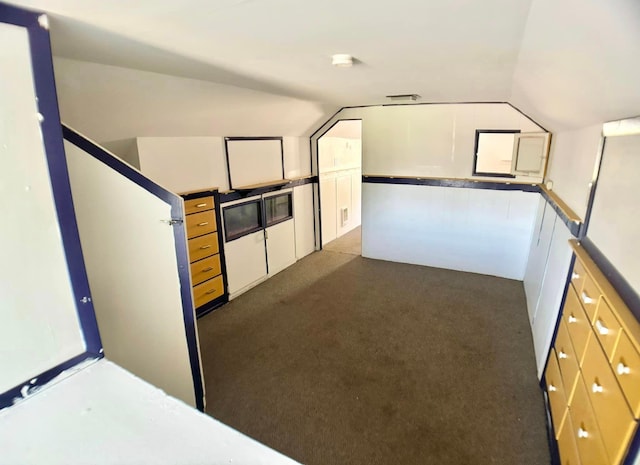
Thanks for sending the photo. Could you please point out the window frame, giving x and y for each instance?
(232, 237)
(268, 223)
(475, 153)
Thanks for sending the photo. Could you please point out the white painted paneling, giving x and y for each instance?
(183, 164)
(431, 140)
(254, 161)
(343, 200)
(572, 163)
(481, 231)
(328, 208)
(614, 227)
(538, 254)
(281, 246)
(105, 416)
(555, 278)
(356, 198)
(297, 158)
(40, 327)
(246, 262)
(133, 273)
(303, 217)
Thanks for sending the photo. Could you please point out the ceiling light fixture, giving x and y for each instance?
(404, 97)
(342, 60)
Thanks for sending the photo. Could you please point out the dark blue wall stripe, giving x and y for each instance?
(7, 398)
(574, 227)
(243, 194)
(180, 242)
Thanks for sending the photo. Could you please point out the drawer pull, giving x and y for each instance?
(205, 270)
(562, 354)
(200, 205)
(586, 299)
(203, 224)
(208, 246)
(575, 276)
(210, 291)
(582, 433)
(602, 329)
(595, 387)
(622, 369)
(572, 319)
(552, 388)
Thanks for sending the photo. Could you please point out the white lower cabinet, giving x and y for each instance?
(246, 265)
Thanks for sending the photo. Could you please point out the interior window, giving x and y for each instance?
(494, 152)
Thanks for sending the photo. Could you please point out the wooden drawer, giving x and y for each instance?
(207, 291)
(612, 412)
(567, 444)
(577, 323)
(203, 246)
(199, 224)
(555, 392)
(589, 297)
(198, 205)
(205, 269)
(567, 360)
(626, 368)
(577, 276)
(606, 327)
(585, 429)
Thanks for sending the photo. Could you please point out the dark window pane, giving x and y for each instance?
(242, 219)
(278, 208)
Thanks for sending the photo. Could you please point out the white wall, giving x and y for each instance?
(475, 230)
(303, 216)
(39, 327)
(573, 159)
(133, 273)
(183, 164)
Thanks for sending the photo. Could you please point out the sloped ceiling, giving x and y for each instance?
(568, 63)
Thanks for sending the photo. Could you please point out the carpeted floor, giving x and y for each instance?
(350, 243)
(345, 360)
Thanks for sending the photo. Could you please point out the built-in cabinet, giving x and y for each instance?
(259, 238)
(592, 378)
(206, 255)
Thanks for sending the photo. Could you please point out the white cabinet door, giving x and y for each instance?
(281, 246)
(246, 263)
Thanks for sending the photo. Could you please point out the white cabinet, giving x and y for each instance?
(281, 246)
(246, 264)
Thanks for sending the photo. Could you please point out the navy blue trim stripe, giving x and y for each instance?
(180, 242)
(8, 398)
(243, 194)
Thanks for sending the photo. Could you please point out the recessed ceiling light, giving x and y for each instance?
(342, 60)
(404, 97)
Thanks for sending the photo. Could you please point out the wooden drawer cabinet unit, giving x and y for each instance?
(592, 379)
(202, 216)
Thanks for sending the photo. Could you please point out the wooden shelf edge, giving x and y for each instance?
(569, 213)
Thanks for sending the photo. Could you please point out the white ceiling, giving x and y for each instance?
(551, 58)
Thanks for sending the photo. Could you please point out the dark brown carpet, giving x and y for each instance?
(349, 243)
(345, 360)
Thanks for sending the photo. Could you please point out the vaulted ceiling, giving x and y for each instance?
(566, 62)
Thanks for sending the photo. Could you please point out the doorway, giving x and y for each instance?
(340, 179)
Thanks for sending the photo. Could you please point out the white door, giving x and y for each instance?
(281, 246)
(246, 262)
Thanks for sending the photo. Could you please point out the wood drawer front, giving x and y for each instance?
(612, 412)
(203, 246)
(567, 444)
(606, 327)
(567, 360)
(577, 276)
(577, 323)
(626, 367)
(585, 429)
(555, 392)
(202, 223)
(198, 205)
(589, 297)
(207, 291)
(205, 269)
